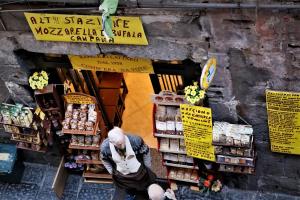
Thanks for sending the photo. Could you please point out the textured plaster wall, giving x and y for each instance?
(255, 51)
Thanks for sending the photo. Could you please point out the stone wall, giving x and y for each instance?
(255, 51)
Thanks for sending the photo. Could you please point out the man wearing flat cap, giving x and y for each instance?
(128, 159)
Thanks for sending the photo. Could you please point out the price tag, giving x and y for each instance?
(37, 111)
(42, 115)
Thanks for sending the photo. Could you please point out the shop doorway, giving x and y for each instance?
(137, 117)
(126, 102)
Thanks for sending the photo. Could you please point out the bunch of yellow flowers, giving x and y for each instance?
(38, 80)
(193, 93)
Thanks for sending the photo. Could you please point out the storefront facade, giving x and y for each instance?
(256, 50)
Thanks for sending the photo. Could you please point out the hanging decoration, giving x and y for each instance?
(194, 94)
(38, 80)
(208, 73)
(108, 7)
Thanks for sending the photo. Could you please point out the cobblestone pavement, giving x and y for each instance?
(37, 180)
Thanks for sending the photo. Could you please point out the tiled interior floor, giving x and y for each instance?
(37, 180)
(137, 117)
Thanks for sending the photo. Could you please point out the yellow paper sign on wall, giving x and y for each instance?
(284, 121)
(112, 63)
(197, 127)
(85, 28)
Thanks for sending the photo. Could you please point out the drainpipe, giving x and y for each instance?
(175, 6)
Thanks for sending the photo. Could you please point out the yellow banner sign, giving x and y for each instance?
(112, 63)
(284, 121)
(85, 28)
(197, 127)
(77, 98)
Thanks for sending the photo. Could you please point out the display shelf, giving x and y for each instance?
(16, 125)
(168, 136)
(42, 150)
(79, 132)
(237, 172)
(170, 151)
(234, 155)
(236, 164)
(94, 148)
(25, 141)
(95, 162)
(51, 109)
(231, 145)
(95, 175)
(180, 165)
(25, 134)
(99, 181)
(184, 180)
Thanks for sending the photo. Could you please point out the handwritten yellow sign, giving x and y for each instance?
(112, 63)
(85, 28)
(284, 121)
(197, 128)
(77, 98)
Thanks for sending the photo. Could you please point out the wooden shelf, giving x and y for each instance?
(95, 162)
(183, 180)
(99, 181)
(50, 109)
(233, 155)
(180, 166)
(42, 150)
(236, 164)
(79, 132)
(15, 125)
(94, 148)
(237, 172)
(94, 175)
(169, 136)
(169, 151)
(228, 145)
(30, 135)
(25, 141)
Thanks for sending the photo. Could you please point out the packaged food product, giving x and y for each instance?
(174, 144)
(81, 125)
(88, 140)
(164, 143)
(73, 124)
(70, 108)
(80, 140)
(96, 140)
(180, 174)
(74, 140)
(75, 114)
(89, 126)
(187, 174)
